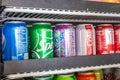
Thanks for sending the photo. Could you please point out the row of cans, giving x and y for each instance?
(91, 75)
(44, 41)
(99, 74)
(63, 40)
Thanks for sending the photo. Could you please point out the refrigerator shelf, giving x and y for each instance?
(42, 67)
(58, 15)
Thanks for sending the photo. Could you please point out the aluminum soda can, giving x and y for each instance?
(15, 41)
(85, 40)
(117, 38)
(64, 40)
(86, 76)
(104, 39)
(65, 77)
(99, 74)
(41, 40)
(117, 74)
(108, 74)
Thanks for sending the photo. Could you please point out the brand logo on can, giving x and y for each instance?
(59, 36)
(59, 43)
(89, 39)
(44, 44)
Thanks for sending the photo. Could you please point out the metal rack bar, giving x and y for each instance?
(57, 15)
(64, 4)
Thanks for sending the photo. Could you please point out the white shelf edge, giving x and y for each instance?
(62, 12)
(62, 20)
(44, 73)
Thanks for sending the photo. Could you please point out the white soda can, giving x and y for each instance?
(85, 40)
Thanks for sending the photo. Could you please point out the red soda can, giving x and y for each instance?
(104, 39)
(117, 38)
(86, 76)
(85, 39)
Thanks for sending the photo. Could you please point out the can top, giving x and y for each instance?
(84, 24)
(65, 75)
(64, 25)
(14, 24)
(117, 26)
(41, 25)
(86, 73)
(105, 25)
(42, 76)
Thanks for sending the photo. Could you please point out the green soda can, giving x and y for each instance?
(42, 78)
(65, 77)
(41, 40)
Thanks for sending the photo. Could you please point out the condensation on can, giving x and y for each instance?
(104, 39)
(117, 38)
(86, 76)
(85, 39)
(64, 40)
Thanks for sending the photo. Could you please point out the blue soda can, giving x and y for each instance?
(14, 41)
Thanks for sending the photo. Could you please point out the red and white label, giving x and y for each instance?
(117, 38)
(104, 40)
(89, 40)
(99, 46)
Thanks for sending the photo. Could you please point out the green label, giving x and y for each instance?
(65, 77)
(42, 43)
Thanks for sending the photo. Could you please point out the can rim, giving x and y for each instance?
(47, 76)
(85, 24)
(104, 25)
(14, 22)
(87, 73)
(69, 74)
(116, 25)
(64, 24)
(42, 23)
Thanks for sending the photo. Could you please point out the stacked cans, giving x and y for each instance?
(14, 41)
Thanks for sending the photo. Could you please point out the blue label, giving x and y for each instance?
(20, 44)
(15, 43)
